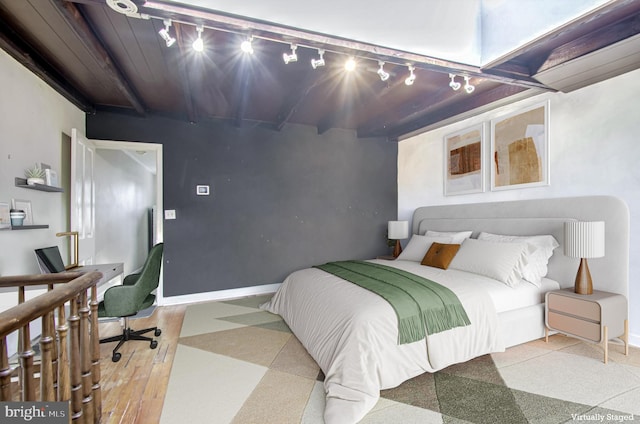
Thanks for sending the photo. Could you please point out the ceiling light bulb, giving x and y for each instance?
(381, 72)
(468, 87)
(246, 46)
(198, 44)
(453, 84)
(316, 63)
(293, 57)
(412, 77)
(350, 64)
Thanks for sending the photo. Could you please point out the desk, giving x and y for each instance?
(112, 275)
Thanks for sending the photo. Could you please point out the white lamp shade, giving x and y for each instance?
(584, 239)
(398, 230)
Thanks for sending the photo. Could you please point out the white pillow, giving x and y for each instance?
(537, 261)
(500, 261)
(457, 237)
(418, 246)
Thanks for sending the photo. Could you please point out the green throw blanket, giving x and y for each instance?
(419, 303)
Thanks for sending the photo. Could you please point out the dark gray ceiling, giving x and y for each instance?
(103, 60)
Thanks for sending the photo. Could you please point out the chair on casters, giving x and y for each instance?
(132, 296)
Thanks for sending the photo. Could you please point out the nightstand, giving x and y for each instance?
(595, 318)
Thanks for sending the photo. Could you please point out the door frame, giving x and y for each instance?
(158, 217)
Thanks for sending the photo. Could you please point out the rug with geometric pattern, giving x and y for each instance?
(238, 364)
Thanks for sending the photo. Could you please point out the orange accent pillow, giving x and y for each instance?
(440, 255)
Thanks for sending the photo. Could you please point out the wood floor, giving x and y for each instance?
(134, 388)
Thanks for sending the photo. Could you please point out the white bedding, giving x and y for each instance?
(352, 334)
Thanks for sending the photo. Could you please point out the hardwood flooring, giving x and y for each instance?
(134, 388)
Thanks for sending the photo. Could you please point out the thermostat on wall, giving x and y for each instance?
(202, 190)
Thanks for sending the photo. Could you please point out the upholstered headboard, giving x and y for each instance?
(545, 216)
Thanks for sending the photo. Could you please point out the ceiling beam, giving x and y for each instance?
(589, 43)
(419, 120)
(222, 21)
(79, 25)
(21, 51)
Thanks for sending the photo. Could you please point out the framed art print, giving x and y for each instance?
(24, 205)
(5, 219)
(464, 163)
(520, 149)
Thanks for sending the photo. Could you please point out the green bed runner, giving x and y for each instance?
(419, 303)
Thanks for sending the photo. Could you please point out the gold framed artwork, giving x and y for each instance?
(520, 149)
(464, 161)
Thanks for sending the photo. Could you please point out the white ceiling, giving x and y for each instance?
(473, 32)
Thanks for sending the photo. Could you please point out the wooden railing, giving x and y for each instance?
(69, 364)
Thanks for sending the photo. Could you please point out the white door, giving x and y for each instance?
(82, 196)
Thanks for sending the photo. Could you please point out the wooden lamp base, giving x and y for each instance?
(397, 249)
(583, 284)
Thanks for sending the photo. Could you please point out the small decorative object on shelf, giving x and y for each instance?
(35, 175)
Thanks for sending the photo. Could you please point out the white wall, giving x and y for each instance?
(594, 149)
(125, 190)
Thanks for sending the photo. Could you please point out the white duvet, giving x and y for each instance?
(352, 334)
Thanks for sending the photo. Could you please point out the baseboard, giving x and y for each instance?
(218, 295)
(634, 340)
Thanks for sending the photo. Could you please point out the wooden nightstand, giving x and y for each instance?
(595, 318)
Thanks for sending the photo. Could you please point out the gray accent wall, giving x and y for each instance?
(279, 201)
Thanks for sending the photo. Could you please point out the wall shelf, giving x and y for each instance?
(22, 182)
(29, 227)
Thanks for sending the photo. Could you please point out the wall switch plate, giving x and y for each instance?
(170, 214)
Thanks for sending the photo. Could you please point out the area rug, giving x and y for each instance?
(238, 364)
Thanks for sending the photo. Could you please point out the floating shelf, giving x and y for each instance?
(22, 182)
(29, 227)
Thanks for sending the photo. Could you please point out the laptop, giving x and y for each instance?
(50, 260)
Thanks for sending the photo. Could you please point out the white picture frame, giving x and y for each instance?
(24, 205)
(51, 177)
(464, 161)
(520, 149)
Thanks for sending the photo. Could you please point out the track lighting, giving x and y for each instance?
(350, 64)
(316, 63)
(468, 87)
(164, 33)
(246, 46)
(412, 77)
(293, 57)
(198, 44)
(381, 72)
(453, 84)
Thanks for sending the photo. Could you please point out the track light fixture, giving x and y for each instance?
(246, 46)
(412, 77)
(381, 72)
(467, 86)
(316, 63)
(453, 84)
(350, 64)
(292, 57)
(198, 44)
(164, 33)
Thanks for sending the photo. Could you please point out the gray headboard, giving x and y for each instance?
(545, 216)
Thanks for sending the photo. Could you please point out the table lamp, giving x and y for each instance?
(584, 240)
(398, 230)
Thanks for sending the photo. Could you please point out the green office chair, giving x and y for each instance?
(132, 296)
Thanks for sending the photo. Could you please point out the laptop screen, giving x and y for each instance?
(50, 258)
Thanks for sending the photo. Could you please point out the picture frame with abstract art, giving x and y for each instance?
(520, 149)
(464, 162)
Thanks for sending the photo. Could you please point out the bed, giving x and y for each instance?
(352, 333)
